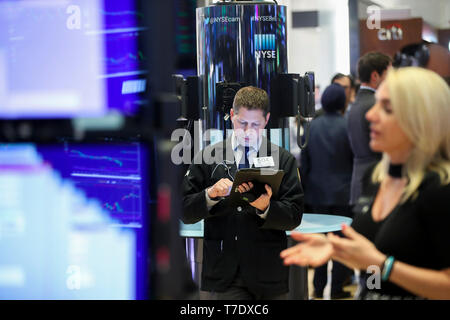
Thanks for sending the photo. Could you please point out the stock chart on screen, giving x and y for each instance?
(112, 175)
(74, 221)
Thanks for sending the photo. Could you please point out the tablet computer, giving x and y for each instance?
(263, 176)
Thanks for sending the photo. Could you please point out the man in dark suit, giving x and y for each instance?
(372, 69)
(326, 169)
(243, 241)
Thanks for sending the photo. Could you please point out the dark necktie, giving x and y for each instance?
(244, 163)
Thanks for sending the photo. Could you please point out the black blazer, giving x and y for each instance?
(327, 162)
(359, 135)
(234, 235)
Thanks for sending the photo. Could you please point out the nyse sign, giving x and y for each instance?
(267, 54)
(265, 45)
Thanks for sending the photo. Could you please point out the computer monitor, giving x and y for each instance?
(74, 222)
(186, 37)
(71, 58)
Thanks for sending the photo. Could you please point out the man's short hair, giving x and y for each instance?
(338, 76)
(251, 98)
(372, 61)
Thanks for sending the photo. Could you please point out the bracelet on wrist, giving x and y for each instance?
(387, 268)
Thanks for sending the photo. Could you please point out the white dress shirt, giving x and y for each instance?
(367, 88)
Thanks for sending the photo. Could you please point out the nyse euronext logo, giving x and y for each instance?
(265, 46)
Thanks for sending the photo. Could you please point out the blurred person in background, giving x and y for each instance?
(326, 171)
(372, 68)
(346, 82)
(401, 224)
(355, 84)
(317, 97)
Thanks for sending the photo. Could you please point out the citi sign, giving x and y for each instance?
(391, 32)
(265, 46)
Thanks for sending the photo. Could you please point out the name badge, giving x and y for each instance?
(263, 162)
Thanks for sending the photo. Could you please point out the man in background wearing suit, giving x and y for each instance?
(372, 69)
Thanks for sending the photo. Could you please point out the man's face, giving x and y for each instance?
(346, 84)
(248, 125)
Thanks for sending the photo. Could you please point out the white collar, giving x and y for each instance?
(368, 88)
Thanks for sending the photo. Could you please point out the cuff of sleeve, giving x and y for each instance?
(209, 202)
(263, 215)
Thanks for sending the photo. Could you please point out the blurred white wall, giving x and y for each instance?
(324, 49)
(435, 12)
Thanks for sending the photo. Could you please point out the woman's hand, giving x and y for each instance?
(355, 251)
(314, 250)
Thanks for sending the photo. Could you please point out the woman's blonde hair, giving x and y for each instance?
(420, 101)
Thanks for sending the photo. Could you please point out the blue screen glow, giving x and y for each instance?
(73, 221)
(70, 58)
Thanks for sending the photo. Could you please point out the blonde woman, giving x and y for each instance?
(402, 220)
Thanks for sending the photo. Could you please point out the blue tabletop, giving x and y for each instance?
(311, 223)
